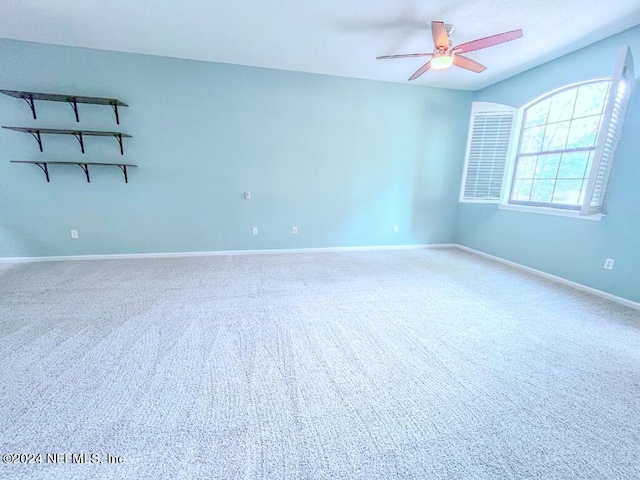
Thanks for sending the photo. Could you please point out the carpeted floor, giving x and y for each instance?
(425, 364)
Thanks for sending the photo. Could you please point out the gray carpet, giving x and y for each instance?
(429, 364)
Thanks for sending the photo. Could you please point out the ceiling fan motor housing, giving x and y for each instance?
(449, 28)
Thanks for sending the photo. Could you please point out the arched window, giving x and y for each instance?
(557, 146)
(554, 154)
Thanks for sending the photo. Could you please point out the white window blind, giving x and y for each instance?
(487, 152)
(610, 133)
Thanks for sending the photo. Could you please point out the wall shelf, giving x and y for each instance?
(72, 100)
(79, 134)
(84, 165)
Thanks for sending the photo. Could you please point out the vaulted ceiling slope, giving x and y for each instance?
(332, 37)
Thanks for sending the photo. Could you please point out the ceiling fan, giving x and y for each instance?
(444, 55)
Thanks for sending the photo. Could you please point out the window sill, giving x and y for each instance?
(550, 211)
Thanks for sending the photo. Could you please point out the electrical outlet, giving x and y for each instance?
(255, 230)
(74, 233)
(294, 230)
(395, 229)
(608, 263)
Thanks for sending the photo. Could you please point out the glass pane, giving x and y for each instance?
(542, 191)
(532, 140)
(591, 99)
(573, 165)
(583, 132)
(521, 190)
(526, 167)
(562, 105)
(537, 114)
(547, 166)
(567, 192)
(555, 137)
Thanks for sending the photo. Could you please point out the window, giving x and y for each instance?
(563, 150)
(557, 144)
(487, 152)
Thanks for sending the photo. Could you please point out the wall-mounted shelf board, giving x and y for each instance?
(72, 100)
(84, 165)
(79, 134)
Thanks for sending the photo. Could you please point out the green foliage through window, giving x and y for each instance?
(557, 144)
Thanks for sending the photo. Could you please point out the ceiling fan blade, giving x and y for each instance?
(407, 55)
(440, 36)
(488, 41)
(469, 64)
(422, 69)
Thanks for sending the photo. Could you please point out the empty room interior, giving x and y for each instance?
(334, 240)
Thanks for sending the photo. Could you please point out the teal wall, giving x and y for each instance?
(342, 159)
(574, 249)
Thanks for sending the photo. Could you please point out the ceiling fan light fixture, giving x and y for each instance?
(442, 61)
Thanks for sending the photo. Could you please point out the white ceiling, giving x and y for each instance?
(333, 37)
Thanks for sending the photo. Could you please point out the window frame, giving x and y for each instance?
(544, 208)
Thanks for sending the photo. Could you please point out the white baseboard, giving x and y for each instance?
(124, 256)
(563, 281)
(213, 253)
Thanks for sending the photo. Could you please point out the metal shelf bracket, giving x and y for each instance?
(36, 135)
(85, 168)
(43, 167)
(124, 170)
(32, 105)
(78, 136)
(74, 104)
(119, 138)
(115, 110)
